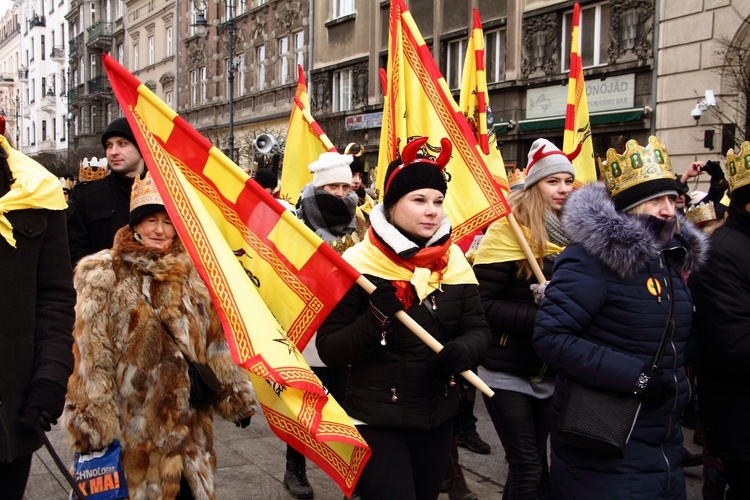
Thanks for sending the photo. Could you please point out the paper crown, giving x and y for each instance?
(92, 170)
(144, 192)
(702, 212)
(66, 184)
(516, 178)
(635, 166)
(738, 167)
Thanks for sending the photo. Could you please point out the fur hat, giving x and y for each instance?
(546, 159)
(331, 168)
(410, 173)
(266, 178)
(119, 128)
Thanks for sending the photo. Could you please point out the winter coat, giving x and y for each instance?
(722, 301)
(130, 382)
(510, 310)
(397, 385)
(98, 210)
(37, 319)
(601, 321)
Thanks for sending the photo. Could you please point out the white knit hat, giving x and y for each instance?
(331, 168)
(545, 159)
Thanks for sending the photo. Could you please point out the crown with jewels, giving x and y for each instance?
(516, 178)
(738, 167)
(92, 170)
(636, 165)
(144, 192)
(702, 212)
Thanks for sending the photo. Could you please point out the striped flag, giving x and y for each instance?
(474, 103)
(577, 123)
(271, 279)
(418, 102)
(305, 141)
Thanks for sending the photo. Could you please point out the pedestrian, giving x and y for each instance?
(721, 291)
(143, 316)
(100, 208)
(36, 311)
(402, 396)
(523, 383)
(604, 314)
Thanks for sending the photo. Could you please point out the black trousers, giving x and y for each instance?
(405, 464)
(738, 478)
(13, 477)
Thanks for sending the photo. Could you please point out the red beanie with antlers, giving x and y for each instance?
(410, 172)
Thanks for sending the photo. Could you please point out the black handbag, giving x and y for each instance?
(600, 420)
(204, 386)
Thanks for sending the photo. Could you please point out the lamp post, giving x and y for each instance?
(229, 27)
(65, 95)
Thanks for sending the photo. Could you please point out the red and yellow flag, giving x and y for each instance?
(305, 142)
(418, 102)
(577, 122)
(474, 103)
(271, 279)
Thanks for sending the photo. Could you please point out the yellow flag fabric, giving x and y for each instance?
(577, 122)
(305, 142)
(271, 279)
(475, 104)
(34, 187)
(419, 103)
(499, 244)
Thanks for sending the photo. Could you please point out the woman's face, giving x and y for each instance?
(555, 189)
(356, 181)
(419, 212)
(662, 207)
(156, 230)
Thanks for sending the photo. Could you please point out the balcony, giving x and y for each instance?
(57, 54)
(7, 80)
(75, 45)
(46, 145)
(75, 93)
(23, 75)
(99, 84)
(99, 36)
(49, 103)
(37, 21)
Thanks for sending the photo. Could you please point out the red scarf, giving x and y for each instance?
(434, 258)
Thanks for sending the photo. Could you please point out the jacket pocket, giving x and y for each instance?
(93, 216)
(27, 225)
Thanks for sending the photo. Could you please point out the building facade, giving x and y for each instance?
(10, 92)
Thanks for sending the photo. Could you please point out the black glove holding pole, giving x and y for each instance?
(384, 303)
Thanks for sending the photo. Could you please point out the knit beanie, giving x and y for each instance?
(119, 128)
(331, 168)
(545, 159)
(266, 178)
(417, 173)
(357, 166)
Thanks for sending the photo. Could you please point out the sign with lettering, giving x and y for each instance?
(617, 92)
(367, 120)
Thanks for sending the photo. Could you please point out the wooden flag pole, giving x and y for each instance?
(428, 339)
(526, 248)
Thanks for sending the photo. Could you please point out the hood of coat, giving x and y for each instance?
(619, 240)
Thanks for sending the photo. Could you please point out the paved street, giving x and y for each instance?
(251, 466)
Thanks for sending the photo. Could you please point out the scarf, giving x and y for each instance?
(662, 230)
(555, 233)
(499, 244)
(34, 187)
(328, 215)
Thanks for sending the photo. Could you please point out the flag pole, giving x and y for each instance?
(428, 339)
(525, 248)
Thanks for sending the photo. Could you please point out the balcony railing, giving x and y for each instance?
(99, 35)
(75, 93)
(37, 21)
(99, 84)
(7, 79)
(75, 44)
(23, 74)
(57, 53)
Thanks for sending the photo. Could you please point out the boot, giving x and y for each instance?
(458, 490)
(295, 480)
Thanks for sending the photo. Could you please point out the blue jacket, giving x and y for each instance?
(601, 322)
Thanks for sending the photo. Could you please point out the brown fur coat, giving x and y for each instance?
(130, 380)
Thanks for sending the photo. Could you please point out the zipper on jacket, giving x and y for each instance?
(434, 303)
(394, 397)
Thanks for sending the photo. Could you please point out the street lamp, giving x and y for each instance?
(65, 96)
(229, 27)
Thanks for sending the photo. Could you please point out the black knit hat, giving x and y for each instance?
(357, 166)
(739, 197)
(645, 191)
(119, 128)
(410, 173)
(266, 178)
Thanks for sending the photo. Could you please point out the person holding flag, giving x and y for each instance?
(402, 395)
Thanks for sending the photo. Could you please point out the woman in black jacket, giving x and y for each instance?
(401, 394)
(522, 382)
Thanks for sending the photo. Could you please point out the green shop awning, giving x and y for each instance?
(600, 118)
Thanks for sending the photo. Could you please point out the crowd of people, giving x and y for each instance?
(632, 286)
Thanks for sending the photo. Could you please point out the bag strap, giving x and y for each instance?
(64, 470)
(669, 328)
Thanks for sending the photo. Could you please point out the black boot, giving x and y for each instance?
(458, 490)
(295, 480)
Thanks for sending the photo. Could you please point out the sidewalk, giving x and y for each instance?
(251, 465)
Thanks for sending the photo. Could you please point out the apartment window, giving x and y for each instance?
(44, 86)
(239, 75)
(593, 36)
(75, 125)
(455, 63)
(299, 49)
(342, 8)
(41, 42)
(33, 90)
(32, 49)
(80, 18)
(169, 42)
(92, 120)
(44, 130)
(151, 55)
(494, 55)
(81, 64)
(92, 71)
(168, 98)
(135, 57)
(193, 87)
(118, 11)
(121, 53)
(283, 60)
(33, 133)
(54, 128)
(342, 90)
(193, 18)
(204, 84)
(93, 13)
(261, 63)
(62, 34)
(109, 112)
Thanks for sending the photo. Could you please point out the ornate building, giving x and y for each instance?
(10, 90)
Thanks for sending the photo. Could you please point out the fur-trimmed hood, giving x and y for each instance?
(619, 240)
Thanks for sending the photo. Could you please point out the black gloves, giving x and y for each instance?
(652, 389)
(384, 303)
(44, 404)
(243, 422)
(453, 358)
(714, 170)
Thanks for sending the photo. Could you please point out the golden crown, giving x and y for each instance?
(92, 170)
(702, 212)
(66, 183)
(144, 192)
(636, 165)
(738, 167)
(516, 178)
